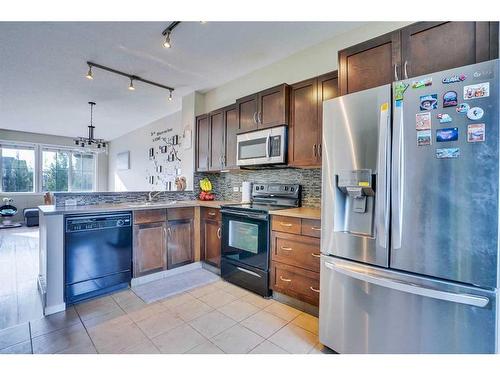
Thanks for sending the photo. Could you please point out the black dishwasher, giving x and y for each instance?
(98, 254)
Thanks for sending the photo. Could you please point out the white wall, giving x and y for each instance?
(138, 143)
(311, 62)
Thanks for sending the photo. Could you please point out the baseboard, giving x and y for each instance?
(162, 274)
(49, 310)
(295, 303)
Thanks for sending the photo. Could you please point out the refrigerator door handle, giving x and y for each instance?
(383, 177)
(397, 180)
(466, 299)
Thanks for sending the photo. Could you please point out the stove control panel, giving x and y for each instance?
(280, 190)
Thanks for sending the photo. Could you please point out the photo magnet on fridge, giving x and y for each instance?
(428, 102)
(447, 135)
(423, 137)
(423, 121)
(444, 118)
(447, 153)
(475, 113)
(450, 99)
(481, 90)
(475, 133)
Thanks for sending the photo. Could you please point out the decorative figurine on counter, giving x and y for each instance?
(206, 188)
(180, 183)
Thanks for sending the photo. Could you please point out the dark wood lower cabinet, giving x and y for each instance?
(180, 237)
(150, 250)
(211, 241)
(295, 282)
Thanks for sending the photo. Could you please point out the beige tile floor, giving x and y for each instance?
(216, 318)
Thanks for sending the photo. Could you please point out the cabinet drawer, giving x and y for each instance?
(180, 213)
(295, 282)
(149, 216)
(295, 250)
(210, 213)
(286, 224)
(311, 227)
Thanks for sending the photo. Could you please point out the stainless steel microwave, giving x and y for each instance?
(266, 146)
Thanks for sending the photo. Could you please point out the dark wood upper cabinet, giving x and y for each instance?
(202, 142)
(306, 115)
(429, 47)
(418, 49)
(231, 128)
(216, 140)
(370, 64)
(180, 234)
(264, 109)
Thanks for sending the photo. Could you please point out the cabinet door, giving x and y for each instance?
(273, 106)
(370, 64)
(328, 88)
(180, 242)
(149, 248)
(247, 113)
(202, 142)
(304, 124)
(231, 127)
(216, 140)
(211, 232)
(429, 47)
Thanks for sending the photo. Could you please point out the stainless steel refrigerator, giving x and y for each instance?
(410, 211)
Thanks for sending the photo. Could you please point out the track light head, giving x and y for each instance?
(89, 73)
(166, 43)
(170, 96)
(131, 86)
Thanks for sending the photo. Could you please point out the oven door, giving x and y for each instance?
(266, 146)
(245, 238)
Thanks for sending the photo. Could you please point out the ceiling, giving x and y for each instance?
(43, 65)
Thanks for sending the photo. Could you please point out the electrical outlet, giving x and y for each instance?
(236, 189)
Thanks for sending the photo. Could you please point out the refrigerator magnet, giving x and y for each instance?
(450, 99)
(423, 121)
(447, 135)
(478, 91)
(475, 113)
(447, 153)
(475, 133)
(444, 118)
(399, 90)
(423, 137)
(428, 102)
(463, 108)
(454, 79)
(424, 82)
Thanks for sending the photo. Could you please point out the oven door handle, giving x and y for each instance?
(244, 214)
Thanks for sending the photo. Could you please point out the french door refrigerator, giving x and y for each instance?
(410, 210)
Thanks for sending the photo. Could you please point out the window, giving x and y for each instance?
(17, 168)
(67, 170)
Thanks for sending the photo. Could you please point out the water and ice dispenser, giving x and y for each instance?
(355, 202)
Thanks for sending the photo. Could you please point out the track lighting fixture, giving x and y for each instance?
(170, 95)
(166, 43)
(131, 77)
(167, 34)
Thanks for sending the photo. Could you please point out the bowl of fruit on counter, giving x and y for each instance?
(206, 190)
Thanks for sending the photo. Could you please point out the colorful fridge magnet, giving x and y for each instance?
(444, 118)
(450, 99)
(475, 113)
(483, 75)
(423, 121)
(481, 90)
(399, 90)
(424, 82)
(447, 153)
(423, 137)
(428, 102)
(454, 79)
(463, 108)
(475, 133)
(447, 135)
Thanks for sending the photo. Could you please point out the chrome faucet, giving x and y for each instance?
(152, 195)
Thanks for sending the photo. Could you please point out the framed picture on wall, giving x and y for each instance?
(123, 161)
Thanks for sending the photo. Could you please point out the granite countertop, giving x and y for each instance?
(300, 212)
(53, 210)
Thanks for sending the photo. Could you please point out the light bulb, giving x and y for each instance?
(170, 96)
(89, 73)
(131, 86)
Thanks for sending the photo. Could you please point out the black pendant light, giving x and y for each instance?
(96, 144)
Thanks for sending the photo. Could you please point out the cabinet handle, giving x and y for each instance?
(165, 232)
(254, 118)
(319, 150)
(396, 78)
(314, 290)
(286, 248)
(316, 228)
(316, 255)
(212, 213)
(285, 280)
(314, 150)
(259, 117)
(169, 232)
(219, 230)
(405, 69)
(285, 224)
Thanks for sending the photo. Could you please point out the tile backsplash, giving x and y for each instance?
(223, 184)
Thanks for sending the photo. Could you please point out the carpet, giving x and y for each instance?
(175, 284)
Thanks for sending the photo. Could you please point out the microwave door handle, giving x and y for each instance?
(268, 145)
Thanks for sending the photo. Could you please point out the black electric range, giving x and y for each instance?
(246, 235)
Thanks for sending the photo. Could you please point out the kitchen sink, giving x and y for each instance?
(152, 204)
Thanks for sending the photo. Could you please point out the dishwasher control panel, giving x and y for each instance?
(97, 222)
